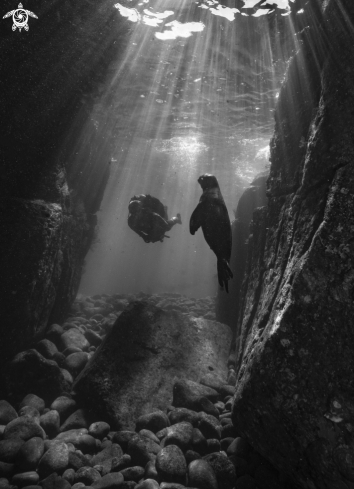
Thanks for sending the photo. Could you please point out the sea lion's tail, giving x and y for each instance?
(224, 273)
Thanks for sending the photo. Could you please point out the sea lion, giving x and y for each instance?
(211, 214)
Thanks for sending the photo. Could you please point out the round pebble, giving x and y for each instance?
(7, 413)
(75, 362)
(78, 419)
(34, 401)
(179, 434)
(29, 454)
(149, 434)
(183, 414)
(65, 406)
(142, 450)
(9, 449)
(87, 475)
(69, 475)
(109, 481)
(100, 429)
(30, 412)
(50, 422)
(25, 479)
(209, 426)
(201, 475)
(223, 468)
(148, 484)
(134, 473)
(154, 421)
(150, 471)
(74, 338)
(123, 438)
(47, 348)
(23, 427)
(54, 333)
(56, 459)
(171, 465)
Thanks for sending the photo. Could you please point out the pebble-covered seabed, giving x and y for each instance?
(55, 447)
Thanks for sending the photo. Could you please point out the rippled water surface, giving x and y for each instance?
(194, 92)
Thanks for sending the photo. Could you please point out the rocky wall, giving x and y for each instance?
(228, 305)
(294, 389)
(48, 197)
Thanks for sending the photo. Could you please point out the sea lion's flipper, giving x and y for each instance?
(224, 273)
(196, 219)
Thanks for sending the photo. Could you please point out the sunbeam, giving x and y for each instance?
(194, 92)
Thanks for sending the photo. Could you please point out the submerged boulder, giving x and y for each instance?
(134, 370)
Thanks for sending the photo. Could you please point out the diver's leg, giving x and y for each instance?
(160, 226)
(174, 220)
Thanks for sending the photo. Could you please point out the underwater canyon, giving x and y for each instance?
(123, 364)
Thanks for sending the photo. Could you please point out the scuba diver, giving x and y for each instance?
(148, 218)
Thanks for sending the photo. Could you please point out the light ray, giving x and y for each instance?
(188, 96)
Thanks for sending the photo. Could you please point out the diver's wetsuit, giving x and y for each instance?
(148, 218)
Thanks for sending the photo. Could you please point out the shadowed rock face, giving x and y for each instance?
(134, 370)
(228, 305)
(48, 201)
(295, 386)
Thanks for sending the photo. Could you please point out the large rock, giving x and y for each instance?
(33, 242)
(133, 371)
(295, 391)
(48, 202)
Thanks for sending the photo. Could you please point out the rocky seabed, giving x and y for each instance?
(57, 445)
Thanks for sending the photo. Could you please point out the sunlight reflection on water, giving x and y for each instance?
(154, 19)
(194, 92)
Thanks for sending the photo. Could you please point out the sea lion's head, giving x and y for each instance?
(207, 181)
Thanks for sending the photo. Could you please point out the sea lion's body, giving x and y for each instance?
(212, 216)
